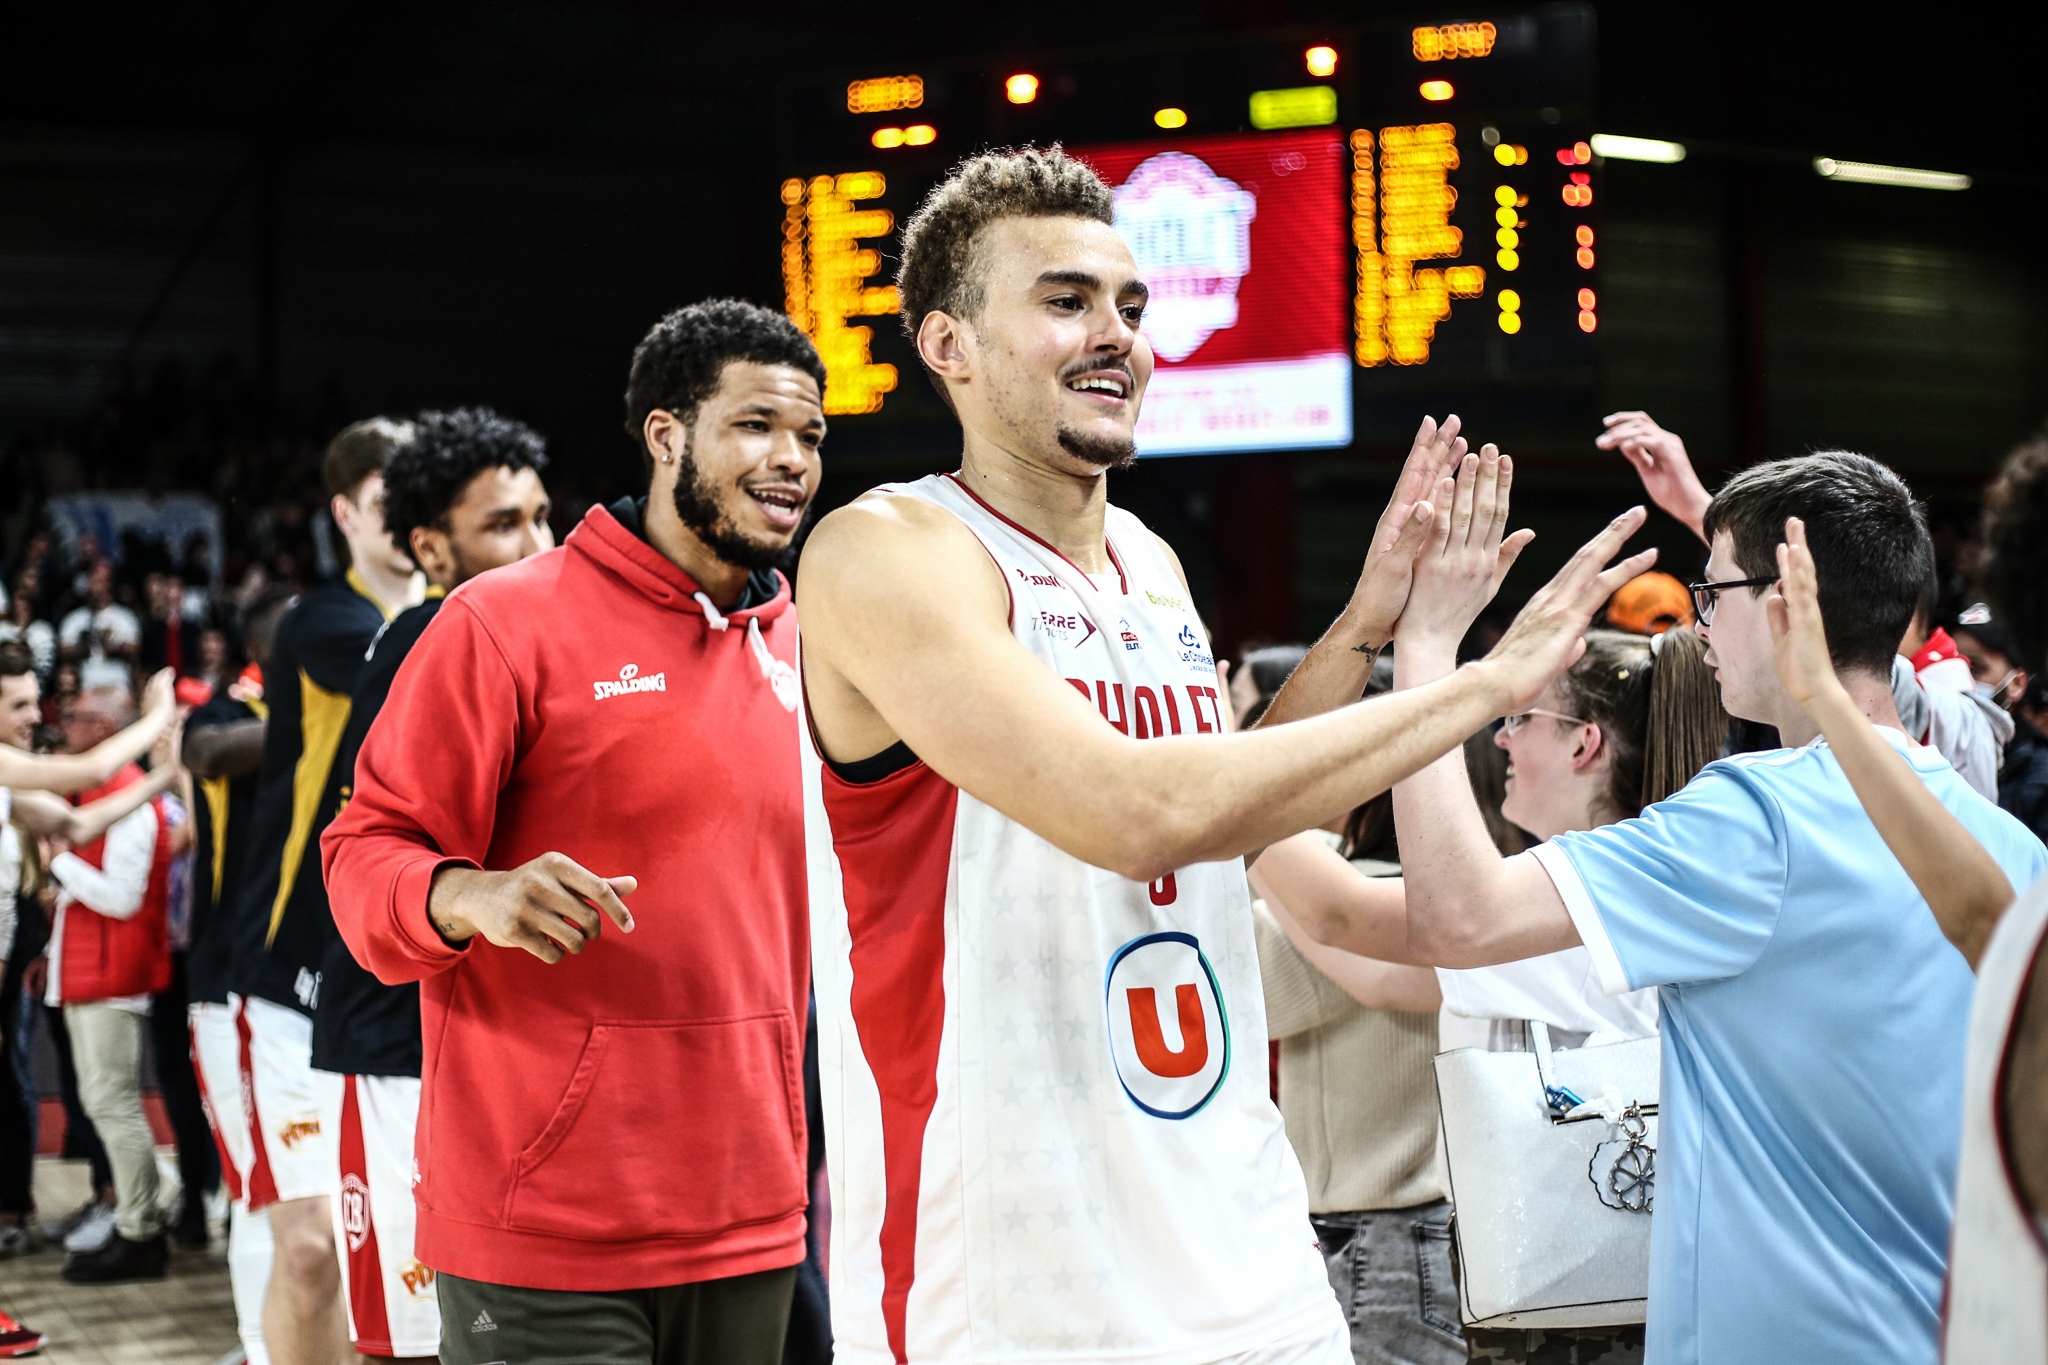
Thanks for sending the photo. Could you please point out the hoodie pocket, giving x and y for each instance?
(669, 1128)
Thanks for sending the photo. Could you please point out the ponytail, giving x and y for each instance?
(1687, 727)
(1658, 709)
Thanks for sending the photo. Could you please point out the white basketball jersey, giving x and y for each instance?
(1997, 1309)
(1045, 1086)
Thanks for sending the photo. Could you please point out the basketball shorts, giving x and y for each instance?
(220, 1057)
(393, 1309)
(286, 1103)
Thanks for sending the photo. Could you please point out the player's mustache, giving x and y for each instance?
(1122, 367)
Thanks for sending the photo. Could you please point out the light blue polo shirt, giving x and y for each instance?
(1814, 1023)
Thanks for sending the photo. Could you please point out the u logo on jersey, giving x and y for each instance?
(1169, 1037)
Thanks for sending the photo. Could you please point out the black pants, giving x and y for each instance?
(17, 1140)
(170, 1039)
(736, 1321)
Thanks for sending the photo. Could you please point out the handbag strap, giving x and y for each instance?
(1558, 1099)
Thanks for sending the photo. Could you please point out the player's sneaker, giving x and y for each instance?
(18, 1239)
(17, 1340)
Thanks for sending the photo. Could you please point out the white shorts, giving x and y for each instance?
(286, 1106)
(220, 1056)
(392, 1307)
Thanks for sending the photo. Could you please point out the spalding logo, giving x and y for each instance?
(1169, 1036)
(630, 680)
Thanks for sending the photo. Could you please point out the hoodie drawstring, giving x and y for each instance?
(713, 617)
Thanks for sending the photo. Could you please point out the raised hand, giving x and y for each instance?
(1460, 566)
(1548, 635)
(1384, 582)
(1798, 635)
(1661, 463)
(160, 692)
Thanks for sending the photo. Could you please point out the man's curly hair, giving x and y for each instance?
(426, 476)
(2014, 569)
(940, 271)
(677, 364)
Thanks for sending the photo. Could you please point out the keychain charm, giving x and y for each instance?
(1624, 1169)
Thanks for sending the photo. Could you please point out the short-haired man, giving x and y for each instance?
(1813, 1012)
(611, 1132)
(464, 496)
(110, 950)
(1035, 952)
(282, 923)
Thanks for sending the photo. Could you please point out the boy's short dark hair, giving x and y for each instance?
(16, 659)
(448, 449)
(2014, 569)
(1871, 549)
(677, 364)
(359, 450)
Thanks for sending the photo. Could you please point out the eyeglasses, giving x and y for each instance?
(1510, 724)
(1704, 594)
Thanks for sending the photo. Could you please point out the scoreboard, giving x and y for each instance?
(1390, 210)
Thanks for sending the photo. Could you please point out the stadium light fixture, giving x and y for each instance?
(1321, 60)
(1171, 118)
(1616, 147)
(1871, 173)
(1021, 88)
(1437, 91)
(1307, 106)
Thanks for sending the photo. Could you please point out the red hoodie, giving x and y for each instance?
(633, 1116)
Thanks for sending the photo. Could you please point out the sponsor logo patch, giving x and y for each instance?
(419, 1279)
(355, 1210)
(1169, 1036)
(296, 1131)
(630, 679)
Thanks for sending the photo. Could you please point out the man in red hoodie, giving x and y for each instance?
(611, 1140)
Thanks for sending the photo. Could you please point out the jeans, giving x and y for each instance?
(1391, 1269)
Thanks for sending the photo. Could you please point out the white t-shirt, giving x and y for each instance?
(1561, 989)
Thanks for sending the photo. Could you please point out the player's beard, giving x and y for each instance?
(698, 508)
(1108, 452)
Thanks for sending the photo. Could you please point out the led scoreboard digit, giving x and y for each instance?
(1403, 204)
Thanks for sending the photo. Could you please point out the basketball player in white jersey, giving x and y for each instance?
(1040, 1022)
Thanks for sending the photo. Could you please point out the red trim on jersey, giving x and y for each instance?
(361, 1267)
(229, 1175)
(894, 840)
(262, 1184)
(1122, 578)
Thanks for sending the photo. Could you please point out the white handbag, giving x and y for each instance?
(1551, 1163)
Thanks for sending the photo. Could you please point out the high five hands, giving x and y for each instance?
(1465, 554)
(1383, 584)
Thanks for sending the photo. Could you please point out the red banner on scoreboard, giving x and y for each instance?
(1242, 241)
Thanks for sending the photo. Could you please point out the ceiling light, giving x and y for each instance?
(1171, 118)
(1321, 61)
(1618, 148)
(1436, 91)
(1870, 173)
(1021, 88)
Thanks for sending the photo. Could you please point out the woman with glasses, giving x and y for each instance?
(1631, 722)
